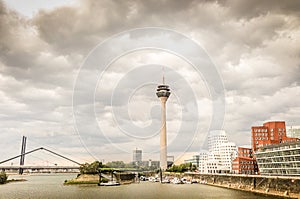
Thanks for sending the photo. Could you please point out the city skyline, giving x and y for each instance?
(254, 47)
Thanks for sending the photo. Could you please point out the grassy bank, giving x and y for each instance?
(85, 179)
(16, 180)
(72, 182)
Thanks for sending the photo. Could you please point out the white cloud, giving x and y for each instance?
(255, 46)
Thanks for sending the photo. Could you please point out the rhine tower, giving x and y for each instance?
(163, 93)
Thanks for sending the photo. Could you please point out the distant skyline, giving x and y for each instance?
(253, 45)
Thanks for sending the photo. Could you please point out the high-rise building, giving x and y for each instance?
(137, 156)
(270, 133)
(163, 93)
(215, 138)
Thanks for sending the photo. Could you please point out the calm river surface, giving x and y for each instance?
(51, 186)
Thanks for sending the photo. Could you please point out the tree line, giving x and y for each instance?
(93, 168)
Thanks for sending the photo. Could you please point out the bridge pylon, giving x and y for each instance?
(22, 158)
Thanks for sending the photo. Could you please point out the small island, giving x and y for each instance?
(100, 174)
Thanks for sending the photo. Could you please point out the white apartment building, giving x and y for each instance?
(215, 138)
(220, 154)
(208, 163)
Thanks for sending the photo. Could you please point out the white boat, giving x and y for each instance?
(165, 180)
(110, 183)
(153, 179)
(176, 181)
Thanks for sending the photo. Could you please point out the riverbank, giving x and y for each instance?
(286, 187)
(122, 178)
(83, 179)
(16, 180)
(13, 180)
(4, 179)
(263, 192)
(51, 186)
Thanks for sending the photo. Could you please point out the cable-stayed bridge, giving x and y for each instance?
(38, 169)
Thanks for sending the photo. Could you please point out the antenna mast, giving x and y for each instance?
(163, 75)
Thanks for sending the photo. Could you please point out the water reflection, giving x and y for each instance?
(51, 186)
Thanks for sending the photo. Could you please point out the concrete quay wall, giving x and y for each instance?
(271, 185)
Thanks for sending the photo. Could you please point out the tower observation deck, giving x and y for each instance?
(163, 93)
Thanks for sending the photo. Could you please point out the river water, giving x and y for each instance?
(51, 186)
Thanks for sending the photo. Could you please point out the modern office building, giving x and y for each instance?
(226, 153)
(194, 160)
(163, 93)
(270, 133)
(220, 154)
(208, 164)
(137, 156)
(221, 150)
(279, 159)
(244, 163)
(215, 138)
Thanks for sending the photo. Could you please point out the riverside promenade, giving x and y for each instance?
(285, 186)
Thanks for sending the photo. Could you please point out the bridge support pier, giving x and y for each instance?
(22, 158)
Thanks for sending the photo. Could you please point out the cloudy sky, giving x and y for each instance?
(79, 77)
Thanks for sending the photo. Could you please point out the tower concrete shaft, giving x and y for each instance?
(163, 93)
(163, 135)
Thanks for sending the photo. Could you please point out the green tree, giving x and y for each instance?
(3, 177)
(116, 164)
(182, 168)
(92, 168)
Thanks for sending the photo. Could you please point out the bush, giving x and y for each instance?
(92, 168)
(3, 177)
(182, 168)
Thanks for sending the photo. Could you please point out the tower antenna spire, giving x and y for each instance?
(163, 75)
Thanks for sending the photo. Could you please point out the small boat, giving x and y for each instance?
(176, 181)
(151, 179)
(143, 178)
(110, 183)
(165, 181)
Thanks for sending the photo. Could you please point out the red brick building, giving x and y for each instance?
(270, 133)
(244, 163)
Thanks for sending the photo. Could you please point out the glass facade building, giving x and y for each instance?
(279, 159)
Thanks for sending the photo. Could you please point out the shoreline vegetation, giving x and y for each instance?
(16, 180)
(85, 179)
(112, 171)
(4, 179)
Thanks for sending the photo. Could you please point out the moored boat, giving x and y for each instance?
(110, 183)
